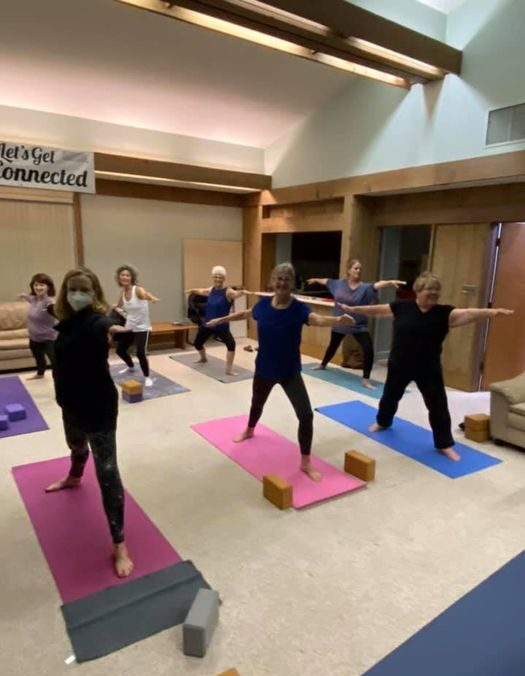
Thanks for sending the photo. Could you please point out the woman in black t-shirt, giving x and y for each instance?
(420, 327)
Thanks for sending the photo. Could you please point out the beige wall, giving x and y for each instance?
(149, 234)
(34, 237)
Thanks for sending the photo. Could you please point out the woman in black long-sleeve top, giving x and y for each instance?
(420, 327)
(87, 395)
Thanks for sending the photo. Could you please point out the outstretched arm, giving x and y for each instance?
(317, 280)
(368, 310)
(232, 294)
(24, 296)
(233, 317)
(462, 317)
(198, 292)
(146, 295)
(315, 319)
(385, 283)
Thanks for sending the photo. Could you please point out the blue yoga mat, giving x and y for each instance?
(411, 440)
(336, 376)
(482, 634)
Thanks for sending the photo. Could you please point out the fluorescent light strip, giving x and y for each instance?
(138, 178)
(228, 28)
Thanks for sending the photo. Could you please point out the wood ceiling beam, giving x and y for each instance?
(136, 166)
(352, 21)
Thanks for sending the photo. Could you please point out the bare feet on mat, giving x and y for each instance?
(319, 367)
(366, 383)
(122, 563)
(376, 428)
(231, 372)
(36, 376)
(450, 453)
(310, 471)
(68, 482)
(247, 434)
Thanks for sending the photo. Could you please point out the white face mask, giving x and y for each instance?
(79, 300)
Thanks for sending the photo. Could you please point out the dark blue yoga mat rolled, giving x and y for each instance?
(119, 616)
(411, 440)
(482, 634)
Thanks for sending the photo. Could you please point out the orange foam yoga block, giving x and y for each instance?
(477, 421)
(477, 435)
(132, 387)
(278, 491)
(360, 465)
(230, 672)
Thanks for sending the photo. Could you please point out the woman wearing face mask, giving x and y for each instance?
(420, 327)
(219, 303)
(40, 321)
(280, 320)
(134, 301)
(352, 291)
(87, 395)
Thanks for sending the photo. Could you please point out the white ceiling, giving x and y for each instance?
(445, 6)
(101, 60)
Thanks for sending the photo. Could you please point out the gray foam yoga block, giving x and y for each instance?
(200, 623)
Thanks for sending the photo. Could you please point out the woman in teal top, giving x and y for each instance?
(352, 291)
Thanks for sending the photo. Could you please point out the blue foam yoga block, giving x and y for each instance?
(132, 398)
(4, 422)
(15, 412)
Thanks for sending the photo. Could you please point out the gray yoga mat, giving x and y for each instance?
(214, 368)
(162, 386)
(114, 618)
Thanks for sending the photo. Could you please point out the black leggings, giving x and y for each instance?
(430, 384)
(224, 334)
(126, 340)
(39, 351)
(364, 340)
(104, 449)
(296, 392)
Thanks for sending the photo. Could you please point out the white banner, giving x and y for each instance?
(25, 166)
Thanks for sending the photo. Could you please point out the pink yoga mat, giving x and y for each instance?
(270, 453)
(73, 532)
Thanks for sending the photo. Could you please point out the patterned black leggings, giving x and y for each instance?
(104, 449)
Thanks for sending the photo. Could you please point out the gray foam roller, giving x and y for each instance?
(200, 623)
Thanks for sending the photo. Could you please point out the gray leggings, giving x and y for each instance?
(296, 392)
(104, 449)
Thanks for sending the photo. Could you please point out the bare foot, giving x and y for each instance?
(68, 482)
(247, 434)
(319, 367)
(232, 373)
(202, 361)
(366, 383)
(310, 471)
(248, 348)
(36, 376)
(121, 562)
(450, 453)
(376, 428)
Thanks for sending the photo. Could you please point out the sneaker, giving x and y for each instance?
(128, 370)
(148, 382)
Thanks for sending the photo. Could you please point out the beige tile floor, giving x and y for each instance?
(329, 590)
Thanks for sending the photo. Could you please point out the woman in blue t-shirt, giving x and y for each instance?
(352, 291)
(420, 327)
(280, 320)
(219, 302)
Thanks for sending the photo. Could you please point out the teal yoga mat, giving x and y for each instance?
(337, 376)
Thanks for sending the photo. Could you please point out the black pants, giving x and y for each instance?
(224, 334)
(296, 392)
(430, 383)
(126, 340)
(364, 340)
(104, 449)
(39, 351)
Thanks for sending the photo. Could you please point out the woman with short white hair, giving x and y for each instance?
(219, 302)
(420, 327)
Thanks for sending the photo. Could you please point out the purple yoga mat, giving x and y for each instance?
(270, 453)
(12, 391)
(73, 532)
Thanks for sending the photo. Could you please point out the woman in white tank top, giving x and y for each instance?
(134, 302)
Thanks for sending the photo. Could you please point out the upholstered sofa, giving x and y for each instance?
(14, 340)
(507, 411)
